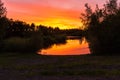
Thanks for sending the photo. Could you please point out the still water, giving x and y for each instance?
(72, 47)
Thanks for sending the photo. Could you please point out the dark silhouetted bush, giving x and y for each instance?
(103, 28)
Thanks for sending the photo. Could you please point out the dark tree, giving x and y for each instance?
(3, 23)
(2, 10)
(3, 19)
(103, 28)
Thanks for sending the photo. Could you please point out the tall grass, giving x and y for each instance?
(17, 44)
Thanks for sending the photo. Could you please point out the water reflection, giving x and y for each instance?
(72, 47)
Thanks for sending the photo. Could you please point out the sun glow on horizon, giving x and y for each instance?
(55, 13)
(61, 23)
(64, 17)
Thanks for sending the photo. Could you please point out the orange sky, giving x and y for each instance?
(56, 13)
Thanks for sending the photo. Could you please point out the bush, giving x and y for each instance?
(103, 28)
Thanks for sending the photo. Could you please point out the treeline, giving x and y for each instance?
(103, 28)
(73, 32)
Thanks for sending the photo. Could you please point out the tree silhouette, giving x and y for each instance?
(3, 20)
(103, 28)
(3, 23)
(2, 10)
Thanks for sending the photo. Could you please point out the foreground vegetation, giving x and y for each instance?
(33, 66)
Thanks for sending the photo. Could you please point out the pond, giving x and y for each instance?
(71, 47)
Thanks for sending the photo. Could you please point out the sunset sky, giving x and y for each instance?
(62, 13)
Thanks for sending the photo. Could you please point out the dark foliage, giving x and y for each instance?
(3, 22)
(103, 28)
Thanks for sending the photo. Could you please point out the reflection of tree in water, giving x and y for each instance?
(46, 46)
(82, 40)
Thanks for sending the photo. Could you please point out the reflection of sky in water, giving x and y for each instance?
(72, 47)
